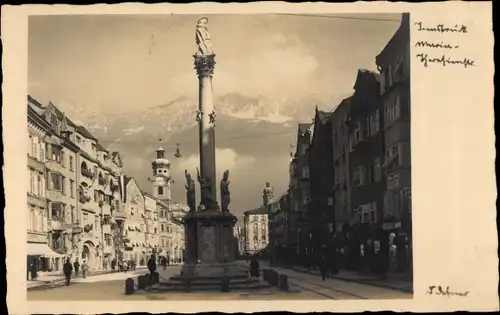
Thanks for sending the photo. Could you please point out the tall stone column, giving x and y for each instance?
(204, 65)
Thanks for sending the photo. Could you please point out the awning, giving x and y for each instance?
(39, 249)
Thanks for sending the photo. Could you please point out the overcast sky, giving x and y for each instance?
(104, 62)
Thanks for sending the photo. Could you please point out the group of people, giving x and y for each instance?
(68, 269)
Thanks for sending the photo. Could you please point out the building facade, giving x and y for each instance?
(176, 229)
(341, 166)
(367, 150)
(81, 191)
(165, 237)
(38, 252)
(394, 65)
(135, 224)
(321, 179)
(299, 225)
(256, 225)
(152, 225)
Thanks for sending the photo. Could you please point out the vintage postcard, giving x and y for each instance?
(231, 157)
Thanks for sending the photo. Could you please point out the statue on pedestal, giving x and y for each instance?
(190, 192)
(225, 195)
(207, 199)
(203, 39)
(267, 194)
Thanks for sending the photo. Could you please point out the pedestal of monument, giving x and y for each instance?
(210, 256)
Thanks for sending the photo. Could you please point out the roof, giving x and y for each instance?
(303, 127)
(363, 73)
(61, 116)
(403, 28)
(100, 147)
(260, 210)
(323, 116)
(85, 132)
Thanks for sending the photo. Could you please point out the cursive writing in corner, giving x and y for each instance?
(438, 290)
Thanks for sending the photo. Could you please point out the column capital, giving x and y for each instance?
(204, 65)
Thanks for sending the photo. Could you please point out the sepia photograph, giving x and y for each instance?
(219, 157)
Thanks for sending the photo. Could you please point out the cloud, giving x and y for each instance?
(225, 159)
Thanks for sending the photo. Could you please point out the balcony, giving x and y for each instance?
(108, 249)
(87, 173)
(117, 215)
(106, 228)
(55, 166)
(36, 164)
(106, 209)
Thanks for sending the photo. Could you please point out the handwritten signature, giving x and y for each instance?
(438, 290)
(444, 61)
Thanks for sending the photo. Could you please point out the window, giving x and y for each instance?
(108, 240)
(57, 182)
(392, 110)
(42, 152)
(374, 123)
(162, 227)
(305, 172)
(255, 237)
(377, 170)
(71, 163)
(39, 185)
(368, 213)
(160, 190)
(306, 199)
(358, 176)
(357, 133)
(93, 147)
(366, 128)
(85, 218)
(369, 174)
(263, 237)
(72, 188)
(57, 154)
(57, 210)
(394, 156)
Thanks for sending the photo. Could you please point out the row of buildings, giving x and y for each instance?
(350, 179)
(81, 205)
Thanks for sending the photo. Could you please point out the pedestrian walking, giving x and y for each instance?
(85, 268)
(125, 266)
(33, 271)
(68, 269)
(76, 265)
(323, 262)
(151, 267)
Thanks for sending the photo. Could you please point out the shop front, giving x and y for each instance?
(43, 257)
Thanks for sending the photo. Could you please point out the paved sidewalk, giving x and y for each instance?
(57, 278)
(392, 281)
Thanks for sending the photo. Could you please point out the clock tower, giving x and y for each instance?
(161, 179)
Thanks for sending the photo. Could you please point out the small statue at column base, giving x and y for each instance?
(225, 195)
(190, 192)
(207, 200)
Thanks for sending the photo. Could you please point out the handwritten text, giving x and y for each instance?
(444, 60)
(440, 28)
(438, 290)
(425, 56)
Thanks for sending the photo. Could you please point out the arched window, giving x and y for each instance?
(83, 167)
(160, 190)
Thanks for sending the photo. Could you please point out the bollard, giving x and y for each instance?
(283, 282)
(187, 285)
(129, 286)
(275, 278)
(224, 285)
(142, 282)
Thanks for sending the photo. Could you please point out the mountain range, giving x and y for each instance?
(254, 133)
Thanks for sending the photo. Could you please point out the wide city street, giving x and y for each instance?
(302, 287)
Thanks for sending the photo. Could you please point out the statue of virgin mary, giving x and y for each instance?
(203, 39)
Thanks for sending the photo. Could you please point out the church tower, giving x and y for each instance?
(161, 179)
